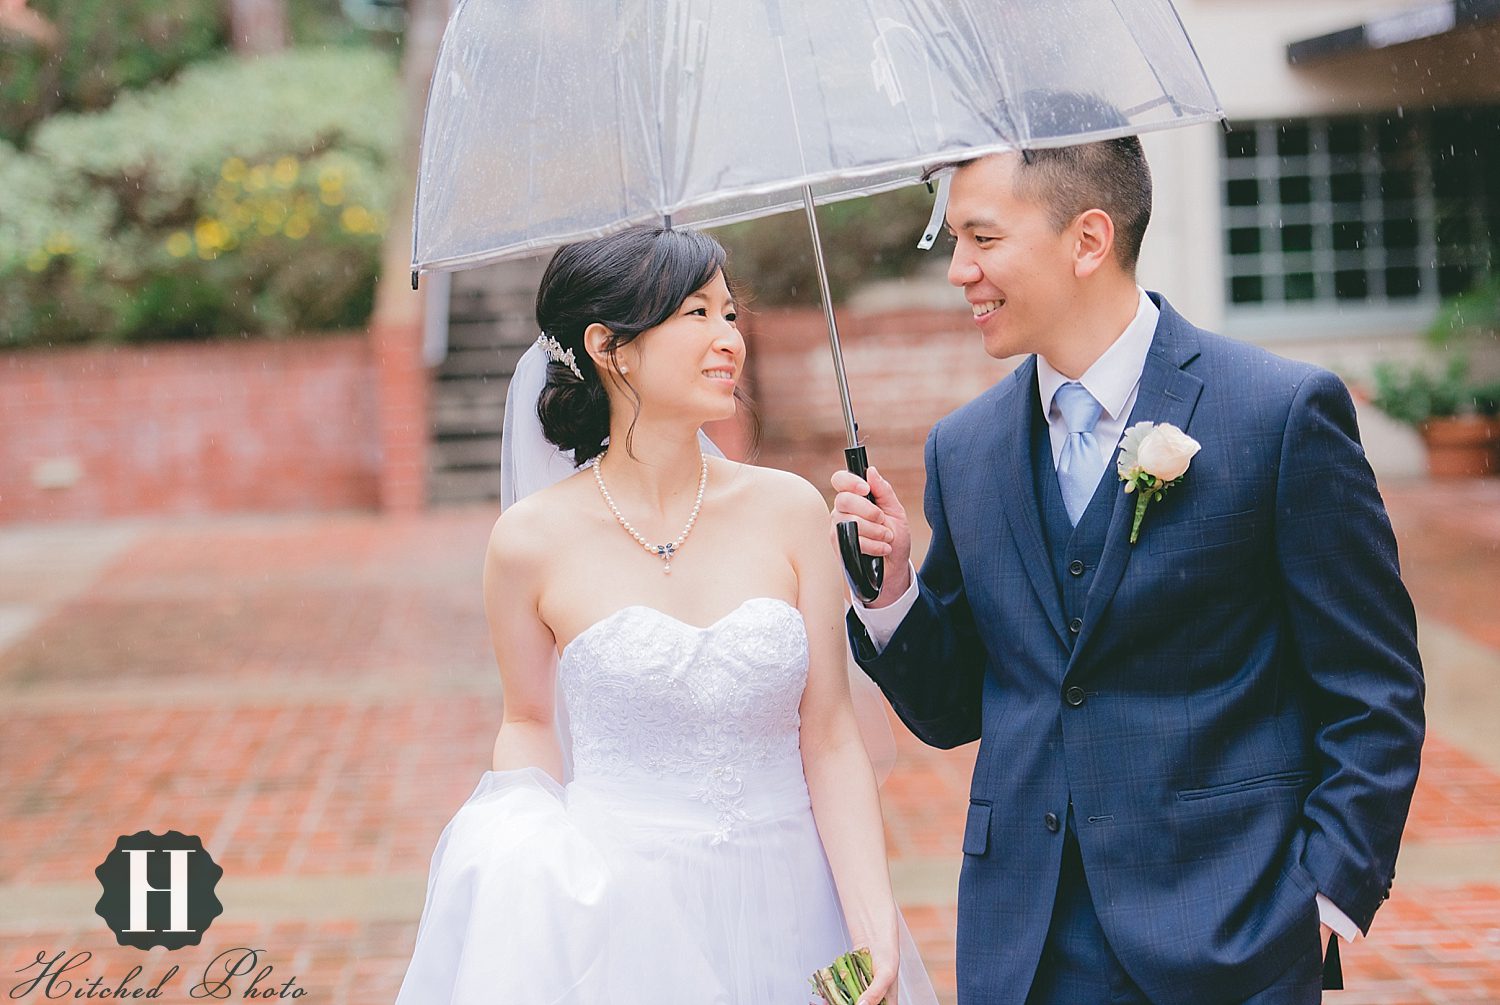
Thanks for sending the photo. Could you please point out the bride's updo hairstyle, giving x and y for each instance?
(627, 282)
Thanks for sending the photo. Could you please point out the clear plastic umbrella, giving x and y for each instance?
(554, 122)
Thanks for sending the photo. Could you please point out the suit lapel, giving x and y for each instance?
(1168, 393)
(1018, 409)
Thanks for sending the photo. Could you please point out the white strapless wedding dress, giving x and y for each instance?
(681, 866)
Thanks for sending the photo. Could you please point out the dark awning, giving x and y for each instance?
(1428, 21)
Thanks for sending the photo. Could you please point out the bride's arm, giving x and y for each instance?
(524, 648)
(840, 781)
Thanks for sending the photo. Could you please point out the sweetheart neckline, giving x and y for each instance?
(672, 617)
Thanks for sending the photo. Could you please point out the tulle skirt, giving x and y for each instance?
(630, 892)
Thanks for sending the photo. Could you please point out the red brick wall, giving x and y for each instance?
(245, 426)
(906, 370)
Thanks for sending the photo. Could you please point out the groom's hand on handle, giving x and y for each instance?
(883, 529)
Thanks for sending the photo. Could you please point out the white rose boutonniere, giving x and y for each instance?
(1153, 458)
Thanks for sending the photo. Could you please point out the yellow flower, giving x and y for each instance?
(60, 243)
(233, 170)
(330, 177)
(285, 172)
(179, 244)
(210, 233)
(37, 260)
(257, 178)
(297, 227)
(357, 220)
(332, 196)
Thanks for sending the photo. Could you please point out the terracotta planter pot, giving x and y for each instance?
(1460, 447)
(1494, 421)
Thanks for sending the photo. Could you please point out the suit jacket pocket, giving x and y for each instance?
(1276, 779)
(977, 829)
(1202, 533)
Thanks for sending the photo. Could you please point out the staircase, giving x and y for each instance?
(491, 322)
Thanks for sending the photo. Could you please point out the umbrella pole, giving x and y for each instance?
(851, 428)
(864, 572)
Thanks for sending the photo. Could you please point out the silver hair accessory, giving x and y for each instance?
(555, 352)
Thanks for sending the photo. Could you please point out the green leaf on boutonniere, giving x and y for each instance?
(1153, 458)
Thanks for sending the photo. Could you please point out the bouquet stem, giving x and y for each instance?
(843, 980)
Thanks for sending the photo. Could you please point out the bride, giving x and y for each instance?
(681, 808)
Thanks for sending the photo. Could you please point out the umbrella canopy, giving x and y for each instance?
(550, 123)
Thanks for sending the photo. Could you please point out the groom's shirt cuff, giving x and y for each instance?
(1330, 915)
(882, 622)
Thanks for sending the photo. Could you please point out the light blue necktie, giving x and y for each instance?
(1078, 466)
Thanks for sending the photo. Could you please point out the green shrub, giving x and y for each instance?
(1487, 399)
(1468, 316)
(1414, 394)
(247, 196)
(109, 46)
(105, 46)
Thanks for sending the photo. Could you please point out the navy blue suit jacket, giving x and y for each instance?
(1251, 715)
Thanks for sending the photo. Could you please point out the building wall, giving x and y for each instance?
(906, 369)
(1242, 43)
(100, 432)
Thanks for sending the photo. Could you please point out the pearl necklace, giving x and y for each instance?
(661, 551)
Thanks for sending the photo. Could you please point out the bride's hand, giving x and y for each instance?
(885, 954)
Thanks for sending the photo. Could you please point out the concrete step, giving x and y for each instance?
(491, 323)
(492, 361)
(463, 485)
(467, 452)
(453, 414)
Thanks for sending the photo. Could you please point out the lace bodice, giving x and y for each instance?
(656, 698)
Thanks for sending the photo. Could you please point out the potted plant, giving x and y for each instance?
(1487, 405)
(1443, 407)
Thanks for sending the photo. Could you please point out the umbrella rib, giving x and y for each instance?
(658, 94)
(791, 104)
(536, 92)
(1135, 40)
(1019, 120)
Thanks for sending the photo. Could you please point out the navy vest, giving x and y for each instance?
(1074, 551)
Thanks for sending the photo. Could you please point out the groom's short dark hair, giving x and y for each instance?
(1111, 175)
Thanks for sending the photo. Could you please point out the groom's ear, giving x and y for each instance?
(1093, 242)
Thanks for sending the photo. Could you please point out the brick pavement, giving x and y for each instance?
(314, 696)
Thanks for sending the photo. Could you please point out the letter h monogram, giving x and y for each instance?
(140, 887)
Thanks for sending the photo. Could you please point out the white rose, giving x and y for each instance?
(1165, 452)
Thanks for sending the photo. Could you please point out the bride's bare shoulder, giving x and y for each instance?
(777, 492)
(523, 531)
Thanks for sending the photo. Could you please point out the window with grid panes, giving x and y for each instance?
(1373, 209)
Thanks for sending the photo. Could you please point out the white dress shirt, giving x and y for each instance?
(1114, 380)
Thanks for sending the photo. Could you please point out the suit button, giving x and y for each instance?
(1075, 568)
(1053, 824)
(1073, 696)
(1075, 626)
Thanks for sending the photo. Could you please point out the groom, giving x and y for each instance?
(1198, 750)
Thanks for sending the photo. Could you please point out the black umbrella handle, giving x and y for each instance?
(864, 572)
